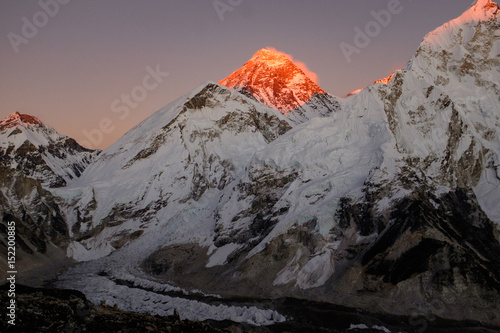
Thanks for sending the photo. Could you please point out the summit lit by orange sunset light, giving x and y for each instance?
(88, 66)
(302, 65)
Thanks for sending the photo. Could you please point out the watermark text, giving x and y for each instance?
(123, 105)
(31, 27)
(11, 272)
(372, 29)
(223, 6)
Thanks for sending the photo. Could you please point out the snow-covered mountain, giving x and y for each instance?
(185, 156)
(35, 158)
(27, 145)
(272, 78)
(389, 202)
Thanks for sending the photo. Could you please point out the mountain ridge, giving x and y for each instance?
(387, 202)
(16, 119)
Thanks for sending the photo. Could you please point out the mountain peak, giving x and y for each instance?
(388, 79)
(443, 37)
(16, 119)
(270, 57)
(484, 4)
(274, 79)
(483, 9)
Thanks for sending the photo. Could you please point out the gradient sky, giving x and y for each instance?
(91, 52)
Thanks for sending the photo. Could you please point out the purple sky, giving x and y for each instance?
(72, 72)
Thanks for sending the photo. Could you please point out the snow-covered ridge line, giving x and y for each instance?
(16, 119)
(480, 11)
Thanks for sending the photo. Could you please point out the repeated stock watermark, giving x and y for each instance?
(31, 26)
(371, 30)
(123, 105)
(224, 6)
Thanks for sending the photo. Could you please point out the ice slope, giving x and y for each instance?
(318, 163)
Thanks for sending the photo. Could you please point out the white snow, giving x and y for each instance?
(78, 252)
(98, 288)
(364, 327)
(221, 254)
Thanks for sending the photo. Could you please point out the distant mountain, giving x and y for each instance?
(385, 80)
(275, 80)
(27, 145)
(35, 158)
(354, 92)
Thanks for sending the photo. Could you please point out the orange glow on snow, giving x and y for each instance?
(303, 67)
(355, 92)
(387, 79)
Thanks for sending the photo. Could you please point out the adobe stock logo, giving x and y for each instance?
(123, 105)
(372, 29)
(30, 28)
(223, 6)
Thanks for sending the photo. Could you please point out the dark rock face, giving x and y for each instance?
(38, 217)
(454, 240)
(265, 187)
(426, 248)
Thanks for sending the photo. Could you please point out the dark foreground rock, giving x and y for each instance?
(57, 310)
(54, 310)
